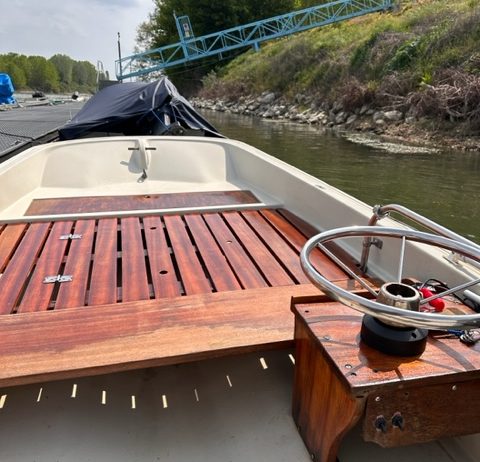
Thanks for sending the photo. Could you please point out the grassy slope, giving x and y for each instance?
(379, 58)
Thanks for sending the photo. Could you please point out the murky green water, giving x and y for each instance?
(444, 186)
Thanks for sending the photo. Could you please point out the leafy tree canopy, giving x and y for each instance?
(205, 16)
(60, 73)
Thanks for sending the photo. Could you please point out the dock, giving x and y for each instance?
(23, 127)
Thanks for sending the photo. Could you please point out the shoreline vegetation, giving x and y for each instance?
(58, 74)
(412, 75)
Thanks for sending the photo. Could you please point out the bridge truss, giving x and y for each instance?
(192, 48)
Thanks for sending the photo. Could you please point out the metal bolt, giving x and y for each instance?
(454, 388)
(377, 398)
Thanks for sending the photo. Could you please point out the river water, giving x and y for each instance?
(443, 185)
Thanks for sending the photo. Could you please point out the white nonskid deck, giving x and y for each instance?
(232, 409)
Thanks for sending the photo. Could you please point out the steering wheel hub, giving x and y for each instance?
(397, 305)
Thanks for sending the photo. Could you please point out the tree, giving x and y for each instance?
(84, 74)
(10, 66)
(205, 17)
(59, 73)
(64, 65)
(43, 75)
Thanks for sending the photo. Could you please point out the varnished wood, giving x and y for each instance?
(349, 372)
(277, 245)
(37, 294)
(12, 281)
(164, 279)
(134, 271)
(9, 238)
(193, 276)
(138, 202)
(323, 407)
(264, 259)
(223, 276)
(73, 294)
(103, 283)
(139, 258)
(445, 358)
(297, 240)
(430, 412)
(73, 343)
(244, 268)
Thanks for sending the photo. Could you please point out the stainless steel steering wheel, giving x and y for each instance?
(379, 310)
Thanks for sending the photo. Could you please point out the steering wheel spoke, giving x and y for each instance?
(381, 311)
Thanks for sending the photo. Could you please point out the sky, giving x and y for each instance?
(85, 30)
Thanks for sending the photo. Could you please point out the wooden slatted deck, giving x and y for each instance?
(148, 290)
(135, 258)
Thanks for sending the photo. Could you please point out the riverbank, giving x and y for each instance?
(412, 74)
(360, 125)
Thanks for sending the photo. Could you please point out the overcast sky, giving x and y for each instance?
(85, 30)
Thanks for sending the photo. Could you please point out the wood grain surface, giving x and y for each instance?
(138, 202)
(71, 343)
(339, 380)
(140, 258)
(337, 328)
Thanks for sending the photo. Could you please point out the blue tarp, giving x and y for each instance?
(136, 108)
(6, 90)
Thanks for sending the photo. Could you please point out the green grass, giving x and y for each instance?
(414, 45)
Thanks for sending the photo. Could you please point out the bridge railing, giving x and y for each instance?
(251, 34)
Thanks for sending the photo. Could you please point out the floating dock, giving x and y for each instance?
(22, 127)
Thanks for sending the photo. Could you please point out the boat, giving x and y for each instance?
(137, 108)
(179, 298)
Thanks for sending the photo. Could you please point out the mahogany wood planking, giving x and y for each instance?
(138, 202)
(20, 265)
(73, 294)
(38, 293)
(244, 268)
(140, 258)
(9, 239)
(193, 276)
(339, 381)
(134, 271)
(164, 279)
(217, 265)
(103, 283)
(277, 245)
(72, 343)
(264, 259)
(297, 240)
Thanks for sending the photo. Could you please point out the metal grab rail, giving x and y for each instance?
(382, 211)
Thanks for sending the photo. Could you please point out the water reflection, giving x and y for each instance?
(444, 186)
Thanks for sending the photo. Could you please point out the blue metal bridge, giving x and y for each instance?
(193, 48)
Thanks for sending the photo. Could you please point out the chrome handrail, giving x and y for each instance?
(382, 211)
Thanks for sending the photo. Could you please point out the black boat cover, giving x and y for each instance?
(136, 108)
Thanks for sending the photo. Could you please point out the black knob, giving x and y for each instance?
(381, 424)
(397, 420)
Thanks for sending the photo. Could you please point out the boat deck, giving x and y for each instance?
(147, 290)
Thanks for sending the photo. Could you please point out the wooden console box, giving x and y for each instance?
(339, 381)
